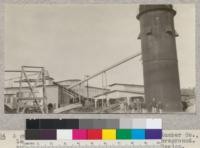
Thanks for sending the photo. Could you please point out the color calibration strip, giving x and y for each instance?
(93, 129)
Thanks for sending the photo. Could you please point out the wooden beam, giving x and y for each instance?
(29, 71)
(32, 67)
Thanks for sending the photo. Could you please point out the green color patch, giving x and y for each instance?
(123, 134)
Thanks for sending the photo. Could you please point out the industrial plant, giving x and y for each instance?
(35, 91)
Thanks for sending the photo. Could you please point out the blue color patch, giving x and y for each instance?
(138, 134)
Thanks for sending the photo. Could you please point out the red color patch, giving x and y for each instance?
(94, 134)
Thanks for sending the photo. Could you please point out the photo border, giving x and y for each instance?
(170, 120)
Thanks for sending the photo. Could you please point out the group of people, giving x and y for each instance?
(156, 106)
(139, 106)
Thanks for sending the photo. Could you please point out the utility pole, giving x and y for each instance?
(87, 85)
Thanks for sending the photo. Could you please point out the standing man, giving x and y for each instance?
(154, 106)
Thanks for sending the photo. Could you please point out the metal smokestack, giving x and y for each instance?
(160, 66)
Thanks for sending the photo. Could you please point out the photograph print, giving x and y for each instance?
(99, 59)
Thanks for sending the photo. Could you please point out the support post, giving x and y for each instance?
(107, 101)
(128, 100)
(95, 104)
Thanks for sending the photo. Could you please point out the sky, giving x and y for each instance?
(74, 40)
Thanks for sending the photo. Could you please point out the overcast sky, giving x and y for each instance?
(76, 40)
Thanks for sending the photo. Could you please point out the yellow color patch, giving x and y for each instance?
(108, 134)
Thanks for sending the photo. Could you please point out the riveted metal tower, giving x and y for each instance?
(160, 65)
